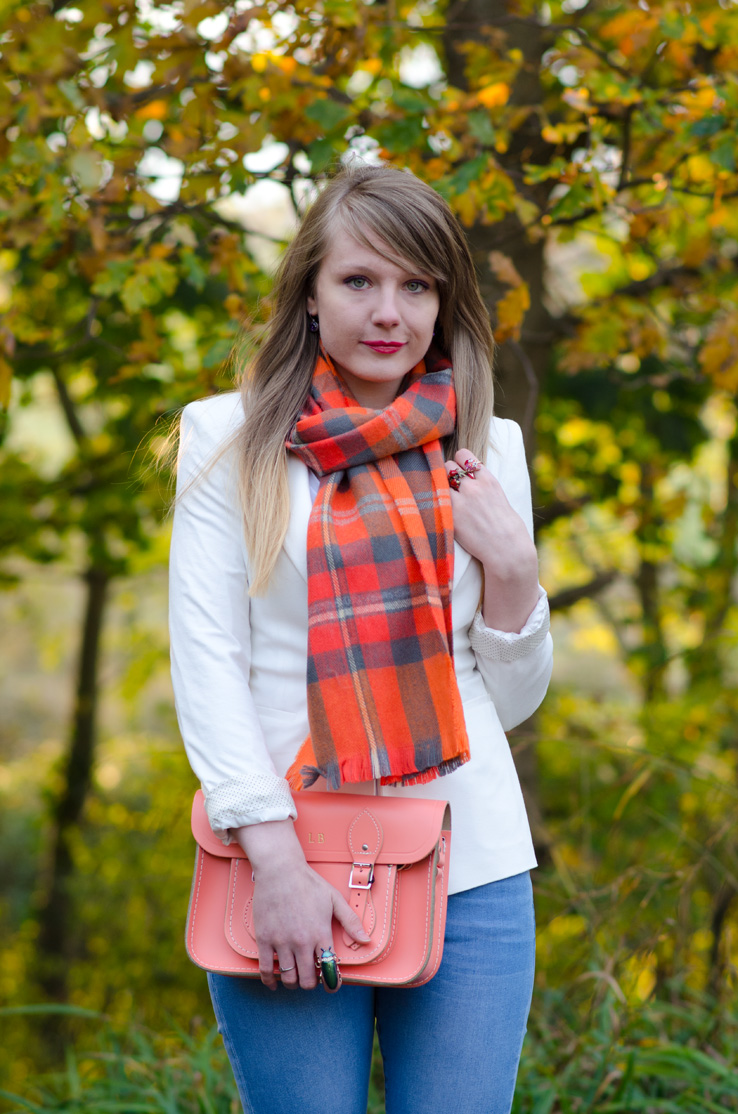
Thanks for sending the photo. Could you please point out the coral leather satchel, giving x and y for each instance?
(388, 856)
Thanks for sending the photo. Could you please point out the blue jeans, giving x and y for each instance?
(449, 1047)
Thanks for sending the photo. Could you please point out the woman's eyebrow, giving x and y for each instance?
(352, 266)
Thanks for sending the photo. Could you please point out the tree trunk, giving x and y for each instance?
(653, 651)
(520, 365)
(55, 913)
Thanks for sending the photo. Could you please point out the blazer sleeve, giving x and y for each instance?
(209, 629)
(516, 667)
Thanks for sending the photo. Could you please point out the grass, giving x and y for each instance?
(676, 1056)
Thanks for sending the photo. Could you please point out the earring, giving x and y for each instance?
(314, 326)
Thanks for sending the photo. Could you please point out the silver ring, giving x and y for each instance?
(284, 969)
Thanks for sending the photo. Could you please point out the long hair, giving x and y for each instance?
(403, 219)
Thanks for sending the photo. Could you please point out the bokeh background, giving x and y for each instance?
(154, 159)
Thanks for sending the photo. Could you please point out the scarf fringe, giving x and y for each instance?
(357, 769)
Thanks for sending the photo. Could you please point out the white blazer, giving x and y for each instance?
(239, 663)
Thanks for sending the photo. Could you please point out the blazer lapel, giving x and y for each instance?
(461, 562)
(295, 542)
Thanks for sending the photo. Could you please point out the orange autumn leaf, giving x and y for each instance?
(511, 310)
(719, 354)
(494, 95)
(154, 110)
(504, 269)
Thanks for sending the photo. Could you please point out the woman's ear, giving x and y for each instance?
(312, 305)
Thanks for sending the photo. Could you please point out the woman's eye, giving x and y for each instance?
(357, 282)
(415, 286)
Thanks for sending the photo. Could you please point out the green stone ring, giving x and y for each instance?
(330, 975)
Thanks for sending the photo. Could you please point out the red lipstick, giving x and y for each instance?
(387, 346)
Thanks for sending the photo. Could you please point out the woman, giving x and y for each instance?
(343, 490)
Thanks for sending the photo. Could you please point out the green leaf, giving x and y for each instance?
(481, 127)
(152, 280)
(72, 93)
(219, 351)
(195, 273)
(402, 135)
(87, 169)
(576, 198)
(328, 113)
(112, 278)
(724, 154)
(708, 125)
(321, 153)
(467, 173)
(409, 100)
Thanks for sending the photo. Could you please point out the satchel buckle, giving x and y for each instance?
(359, 885)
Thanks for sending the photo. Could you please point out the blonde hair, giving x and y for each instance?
(379, 206)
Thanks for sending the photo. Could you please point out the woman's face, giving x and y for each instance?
(376, 318)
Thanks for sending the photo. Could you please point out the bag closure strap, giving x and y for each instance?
(365, 839)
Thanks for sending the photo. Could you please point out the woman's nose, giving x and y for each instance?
(386, 309)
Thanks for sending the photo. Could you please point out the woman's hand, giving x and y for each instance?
(487, 527)
(293, 906)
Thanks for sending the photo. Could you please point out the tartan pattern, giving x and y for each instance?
(382, 695)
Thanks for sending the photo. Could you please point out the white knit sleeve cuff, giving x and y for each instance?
(498, 645)
(249, 799)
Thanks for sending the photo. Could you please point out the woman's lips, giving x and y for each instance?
(384, 345)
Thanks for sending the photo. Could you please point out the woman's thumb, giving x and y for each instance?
(345, 915)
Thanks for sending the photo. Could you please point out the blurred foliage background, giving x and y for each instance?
(154, 159)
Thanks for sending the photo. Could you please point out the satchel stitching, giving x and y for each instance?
(439, 942)
(391, 941)
(428, 886)
(197, 898)
(354, 822)
(232, 896)
(193, 953)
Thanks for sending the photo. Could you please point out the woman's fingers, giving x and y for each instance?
(464, 466)
(266, 966)
(307, 970)
(288, 972)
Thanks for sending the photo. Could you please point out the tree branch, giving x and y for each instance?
(67, 406)
(563, 600)
(560, 508)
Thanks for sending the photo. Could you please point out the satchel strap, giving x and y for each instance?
(365, 839)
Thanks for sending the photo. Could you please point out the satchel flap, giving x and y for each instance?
(324, 826)
(205, 835)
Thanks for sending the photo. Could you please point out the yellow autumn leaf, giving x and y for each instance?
(638, 269)
(511, 310)
(6, 374)
(467, 207)
(706, 97)
(494, 95)
(700, 168)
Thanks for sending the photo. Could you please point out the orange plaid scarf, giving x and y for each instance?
(382, 695)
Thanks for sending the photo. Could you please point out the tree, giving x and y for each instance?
(589, 150)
